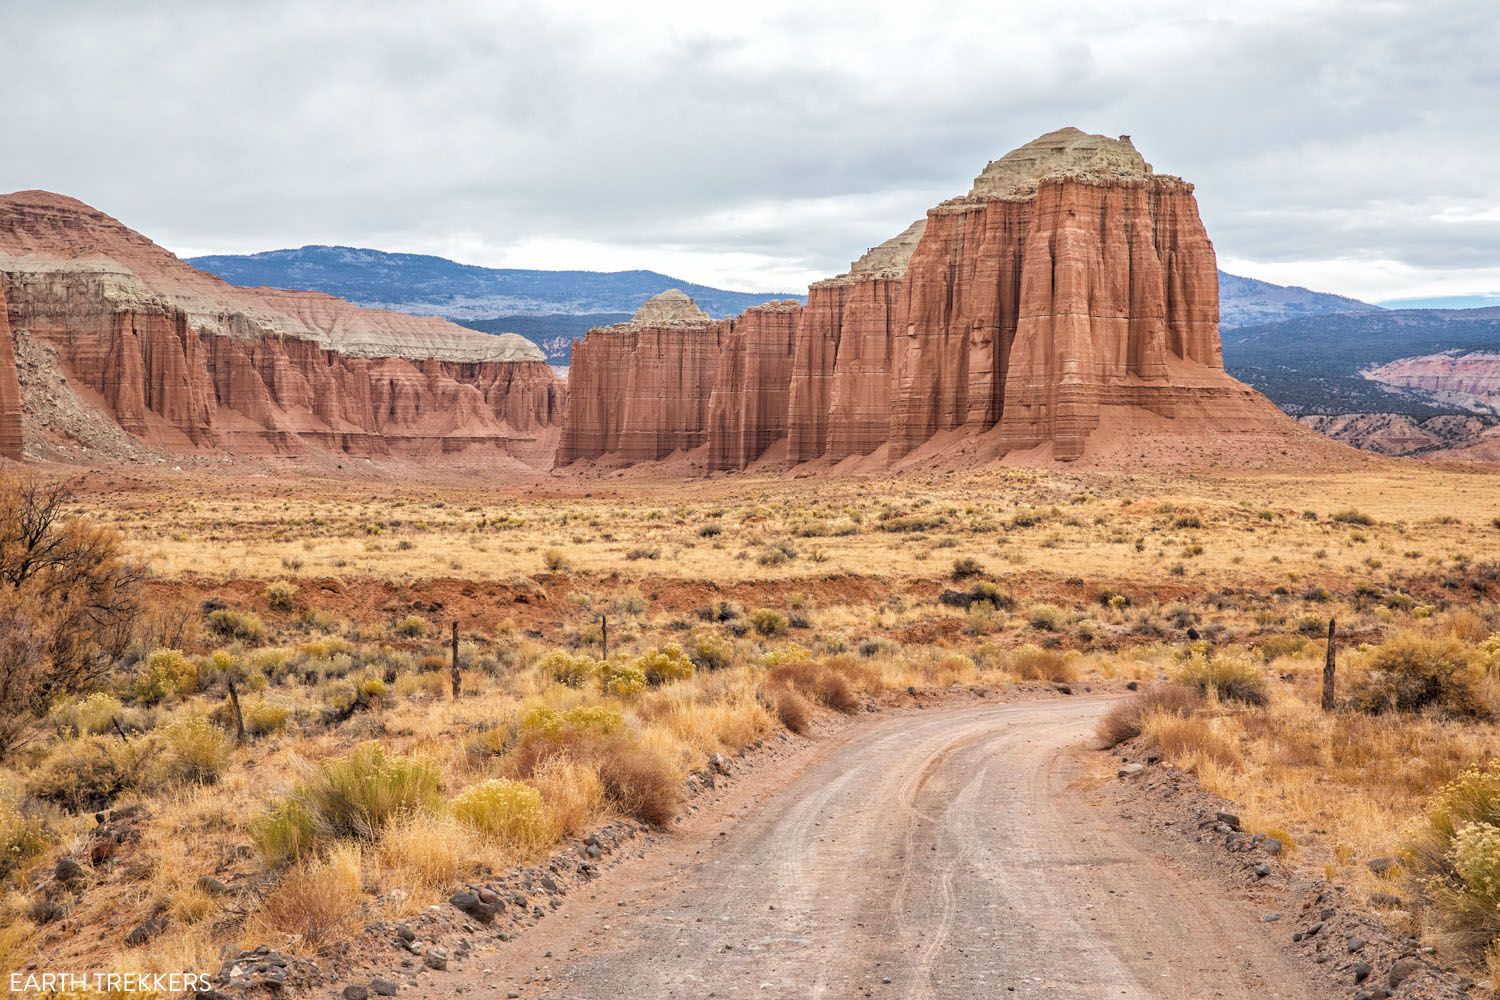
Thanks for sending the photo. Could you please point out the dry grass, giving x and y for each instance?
(788, 600)
(317, 903)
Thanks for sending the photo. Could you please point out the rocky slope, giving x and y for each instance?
(188, 363)
(1067, 303)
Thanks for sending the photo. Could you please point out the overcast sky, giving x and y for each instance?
(1346, 146)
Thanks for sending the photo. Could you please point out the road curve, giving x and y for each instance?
(944, 854)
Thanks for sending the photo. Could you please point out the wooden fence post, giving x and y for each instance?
(1329, 665)
(455, 661)
(239, 720)
(604, 634)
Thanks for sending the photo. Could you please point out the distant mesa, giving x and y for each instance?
(669, 308)
(183, 362)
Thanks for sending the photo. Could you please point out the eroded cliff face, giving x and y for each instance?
(188, 363)
(639, 391)
(1069, 299)
(10, 390)
(748, 405)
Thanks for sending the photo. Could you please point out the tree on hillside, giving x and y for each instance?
(69, 603)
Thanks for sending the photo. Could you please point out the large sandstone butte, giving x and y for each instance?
(187, 362)
(1065, 308)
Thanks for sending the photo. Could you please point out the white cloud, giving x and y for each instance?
(1349, 142)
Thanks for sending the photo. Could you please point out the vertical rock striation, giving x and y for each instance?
(10, 389)
(637, 389)
(186, 362)
(1072, 289)
(748, 404)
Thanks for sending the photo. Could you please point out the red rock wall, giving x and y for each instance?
(1030, 315)
(749, 404)
(840, 400)
(640, 393)
(1034, 314)
(10, 389)
(181, 389)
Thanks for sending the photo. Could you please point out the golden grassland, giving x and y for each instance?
(736, 608)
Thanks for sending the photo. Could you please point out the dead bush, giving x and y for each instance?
(1126, 720)
(69, 603)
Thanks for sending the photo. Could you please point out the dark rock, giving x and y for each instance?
(145, 931)
(355, 992)
(211, 886)
(550, 884)
(68, 870)
(1271, 918)
(435, 958)
(405, 933)
(1262, 870)
(383, 987)
(1356, 944)
(1403, 970)
(1314, 929)
(1132, 685)
(1271, 846)
(1381, 865)
(1228, 819)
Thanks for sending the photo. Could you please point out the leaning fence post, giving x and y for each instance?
(1329, 665)
(239, 720)
(455, 661)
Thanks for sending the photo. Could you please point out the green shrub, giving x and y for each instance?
(263, 718)
(85, 774)
(1037, 664)
(411, 627)
(284, 832)
(1351, 516)
(1454, 856)
(708, 650)
(665, 665)
(1411, 672)
(965, 568)
(358, 794)
(621, 679)
(1046, 617)
(191, 750)
(554, 560)
(984, 592)
(571, 669)
(167, 674)
(97, 713)
(243, 625)
(281, 595)
(1230, 674)
(1274, 646)
(769, 622)
(509, 811)
(23, 839)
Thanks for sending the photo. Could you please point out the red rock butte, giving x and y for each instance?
(188, 363)
(1065, 308)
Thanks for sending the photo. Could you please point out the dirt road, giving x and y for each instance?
(946, 854)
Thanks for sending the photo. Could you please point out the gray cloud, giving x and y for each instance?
(756, 148)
